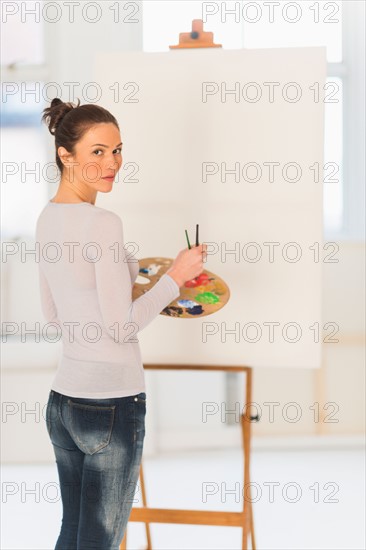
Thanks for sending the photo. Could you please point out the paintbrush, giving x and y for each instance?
(189, 246)
(197, 241)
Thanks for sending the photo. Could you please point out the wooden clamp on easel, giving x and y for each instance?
(197, 38)
(244, 519)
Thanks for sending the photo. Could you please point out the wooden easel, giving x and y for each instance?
(197, 38)
(244, 518)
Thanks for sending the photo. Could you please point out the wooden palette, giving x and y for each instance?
(199, 297)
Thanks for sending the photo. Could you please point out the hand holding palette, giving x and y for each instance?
(198, 297)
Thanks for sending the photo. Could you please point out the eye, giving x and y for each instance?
(119, 149)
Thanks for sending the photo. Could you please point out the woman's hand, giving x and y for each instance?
(188, 264)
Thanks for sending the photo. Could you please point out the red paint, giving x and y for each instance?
(197, 281)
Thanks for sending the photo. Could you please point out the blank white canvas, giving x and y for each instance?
(170, 133)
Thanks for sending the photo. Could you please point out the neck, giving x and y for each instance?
(73, 193)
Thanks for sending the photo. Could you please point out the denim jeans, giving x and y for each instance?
(98, 447)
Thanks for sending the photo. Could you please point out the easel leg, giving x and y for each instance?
(123, 544)
(252, 537)
(144, 502)
(248, 523)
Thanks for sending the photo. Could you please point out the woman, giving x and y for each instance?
(96, 409)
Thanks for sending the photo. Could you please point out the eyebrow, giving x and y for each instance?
(101, 144)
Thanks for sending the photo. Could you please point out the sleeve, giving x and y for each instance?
(134, 268)
(48, 305)
(113, 283)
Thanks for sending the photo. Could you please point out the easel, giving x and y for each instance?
(244, 518)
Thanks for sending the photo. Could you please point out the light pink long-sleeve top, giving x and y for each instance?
(86, 277)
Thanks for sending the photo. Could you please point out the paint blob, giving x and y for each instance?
(151, 269)
(200, 280)
(207, 298)
(196, 310)
(173, 311)
(219, 288)
(187, 303)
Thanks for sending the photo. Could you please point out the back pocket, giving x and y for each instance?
(91, 425)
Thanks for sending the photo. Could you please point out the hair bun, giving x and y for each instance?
(54, 114)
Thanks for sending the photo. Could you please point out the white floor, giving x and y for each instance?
(318, 501)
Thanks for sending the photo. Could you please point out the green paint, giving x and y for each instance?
(207, 298)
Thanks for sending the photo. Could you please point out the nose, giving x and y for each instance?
(113, 164)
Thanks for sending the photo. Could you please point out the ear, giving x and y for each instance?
(64, 155)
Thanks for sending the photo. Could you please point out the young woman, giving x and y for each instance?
(96, 408)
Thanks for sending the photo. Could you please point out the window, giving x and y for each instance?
(333, 161)
(23, 147)
(22, 34)
(23, 159)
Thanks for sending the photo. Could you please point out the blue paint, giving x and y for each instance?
(151, 269)
(187, 303)
(196, 310)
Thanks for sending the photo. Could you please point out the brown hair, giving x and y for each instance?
(69, 122)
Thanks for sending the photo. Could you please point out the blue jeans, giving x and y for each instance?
(98, 447)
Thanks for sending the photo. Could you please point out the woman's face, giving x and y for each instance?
(97, 155)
